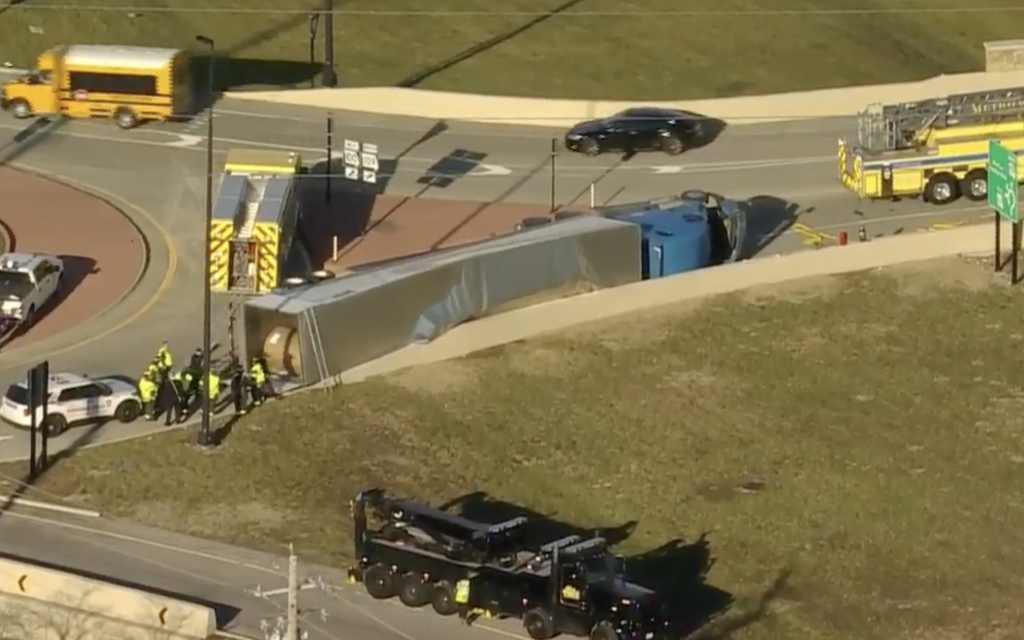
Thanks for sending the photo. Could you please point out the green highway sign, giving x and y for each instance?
(1002, 181)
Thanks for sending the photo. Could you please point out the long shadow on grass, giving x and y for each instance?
(424, 74)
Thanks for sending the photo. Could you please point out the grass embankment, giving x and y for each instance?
(568, 53)
(863, 431)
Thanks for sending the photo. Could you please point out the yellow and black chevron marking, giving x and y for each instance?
(220, 238)
(266, 235)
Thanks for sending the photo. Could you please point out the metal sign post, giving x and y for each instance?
(1002, 198)
(361, 161)
(330, 157)
(314, 22)
(554, 156)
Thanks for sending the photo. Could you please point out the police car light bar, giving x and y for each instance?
(501, 527)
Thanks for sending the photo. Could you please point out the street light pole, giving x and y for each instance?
(205, 438)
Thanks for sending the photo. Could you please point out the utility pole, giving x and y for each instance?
(330, 78)
(293, 594)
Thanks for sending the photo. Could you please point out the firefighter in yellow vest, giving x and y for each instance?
(164, 360)
(257, 382)
(147, 393)
(213, 386)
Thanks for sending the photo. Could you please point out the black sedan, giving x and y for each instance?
(635, 130)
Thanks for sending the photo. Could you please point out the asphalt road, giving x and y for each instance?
(158, 172)
(227, 578)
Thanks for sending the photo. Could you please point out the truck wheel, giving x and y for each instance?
(443, 599)
(590, 147)
(942, 189)
(380, 582)
(604, 631)
(413, 591)
(538, 624)
(126, 118)
(127, 411)
(55, 425)
(975, 185)
(21, 109)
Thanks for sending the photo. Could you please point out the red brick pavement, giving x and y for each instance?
(373, 228)
(102, 251)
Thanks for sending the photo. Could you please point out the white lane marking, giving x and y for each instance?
(6, 438)
(185, 140)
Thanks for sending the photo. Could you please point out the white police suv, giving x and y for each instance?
(73, 399)
(27, 282)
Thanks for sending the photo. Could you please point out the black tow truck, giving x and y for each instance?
(425, 555)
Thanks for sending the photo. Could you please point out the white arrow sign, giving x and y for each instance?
(484, 170)
(667, 169)
(186, 140)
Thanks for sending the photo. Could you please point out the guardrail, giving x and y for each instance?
(438, 105)
(41, 603)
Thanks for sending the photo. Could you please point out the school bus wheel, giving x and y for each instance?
(942, 189)
(125, 118)
(975, 185)
(20, 108)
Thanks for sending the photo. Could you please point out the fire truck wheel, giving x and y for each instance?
(443, 599)
(942, 189)
(539, 624)
(380, 582)
(413, 591)
(603, 631)
(975, 185)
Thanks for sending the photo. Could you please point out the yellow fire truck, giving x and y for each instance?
(934, 149)
(254, 220)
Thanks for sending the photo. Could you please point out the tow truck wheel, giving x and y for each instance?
(443, 599)
(538, 624)
(975, 185)
(380, 582)
(21, 109)
(413, 591)
(55, 425)
(603, 631)
(127, 411)
(942, 189)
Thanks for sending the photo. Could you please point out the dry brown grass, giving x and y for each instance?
(629, 57)
(863, 430)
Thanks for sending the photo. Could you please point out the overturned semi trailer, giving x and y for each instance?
(316, 332)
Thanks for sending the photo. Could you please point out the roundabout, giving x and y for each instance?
(156, 176)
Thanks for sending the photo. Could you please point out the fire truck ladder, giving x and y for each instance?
(904, 125)
(244, 253)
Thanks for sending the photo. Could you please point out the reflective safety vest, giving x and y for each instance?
(462, 592)
(163, 357)
(257, 375)
(213, 385)
(147, 389)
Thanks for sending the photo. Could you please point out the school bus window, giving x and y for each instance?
(113, 83)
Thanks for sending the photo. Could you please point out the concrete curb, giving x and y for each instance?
(47, 506)
(563, 314)
(505, 110)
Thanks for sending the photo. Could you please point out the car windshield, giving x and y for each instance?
(17, 394)
(15, 284)
(600, 569)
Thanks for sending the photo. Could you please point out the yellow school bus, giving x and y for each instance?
(129, 84)
(934, 149)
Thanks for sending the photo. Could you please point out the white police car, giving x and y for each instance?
(73, 399)
(27, 282)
